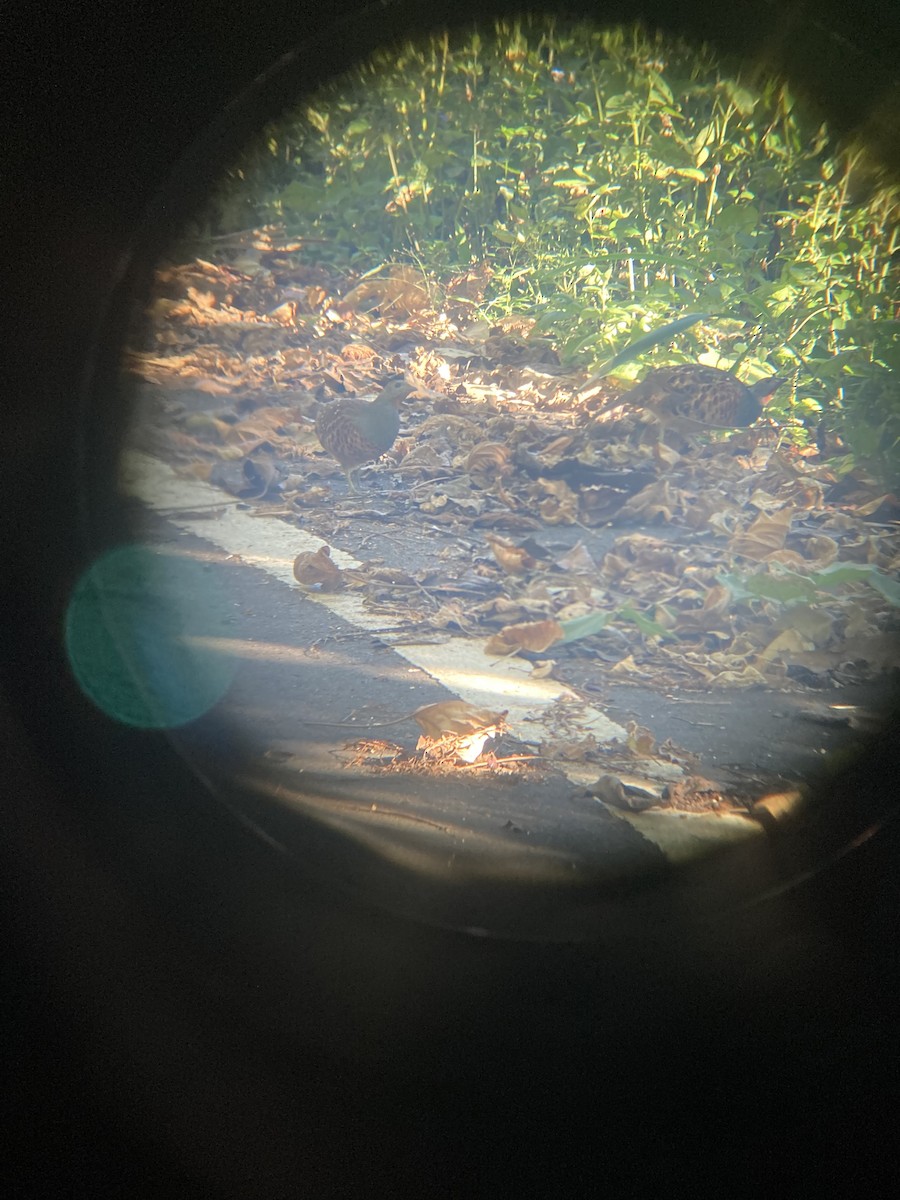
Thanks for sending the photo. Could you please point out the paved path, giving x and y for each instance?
(306, 660)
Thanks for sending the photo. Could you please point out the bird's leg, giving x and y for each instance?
(353, 480)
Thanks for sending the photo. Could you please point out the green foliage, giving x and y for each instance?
(613, 180)
(788, 588)
(591, 623)
(664, 333)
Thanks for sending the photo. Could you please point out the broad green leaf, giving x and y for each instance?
(688, 173)
(744, 101)
(659, 89)
(737, 218)
(644, 623)
(647, 342)
(786, 588)
(580, 627)
(840, 573)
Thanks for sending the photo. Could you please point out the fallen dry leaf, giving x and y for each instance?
(778, 805)
(580, 750)
(561, 506)
(785, 647)
(455, 717)
(820, 550)
(515, 560)
(534, 636)
(764, 536)
(317, 571)
(868, 510)
(814, 624)
(611, 790)
(640, 740)
(207, 426)
(578, 560)
(710, 617)
(543, 668)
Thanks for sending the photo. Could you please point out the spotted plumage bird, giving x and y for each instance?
(357, 431)
(691, 398)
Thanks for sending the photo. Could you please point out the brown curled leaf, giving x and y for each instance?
(456, 717)
(317, 571)
(534, 636)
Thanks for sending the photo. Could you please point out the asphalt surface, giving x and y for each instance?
(529, 857)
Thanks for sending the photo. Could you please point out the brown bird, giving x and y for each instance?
(357, 431)
(690, 398)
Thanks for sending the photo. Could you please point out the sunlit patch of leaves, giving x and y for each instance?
(607, 180)
(500, 217)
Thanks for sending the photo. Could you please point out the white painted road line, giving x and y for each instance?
(459, 664)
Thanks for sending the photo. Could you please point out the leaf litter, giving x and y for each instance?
(522, 515)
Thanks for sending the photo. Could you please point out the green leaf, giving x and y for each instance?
(645, 624)
(737, 218)
(647, 342)
(841, 573)
(744, 101)
(689, 173)
(705, 136)
(785, 588)
(659, 89)
(580, 627)
(317, 119)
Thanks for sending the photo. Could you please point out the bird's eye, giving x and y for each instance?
(452, 635)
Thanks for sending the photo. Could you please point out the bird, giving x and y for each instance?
(357, 431)
(691, 397)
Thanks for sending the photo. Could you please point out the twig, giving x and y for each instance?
(497, 762)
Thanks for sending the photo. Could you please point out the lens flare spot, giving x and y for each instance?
(147, 634)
